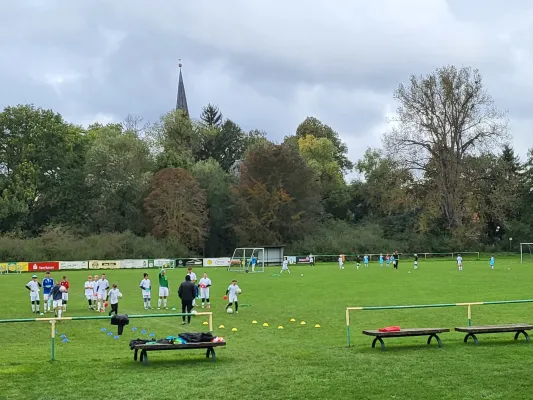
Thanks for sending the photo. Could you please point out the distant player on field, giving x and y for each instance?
(358, 260)
(113, 296)
(193, 280)
(253, 262)
(311, 260)
(95, 293)
(57, 299)
(146, 287)
(66, 284)
(459, 262)
(387, 259)
(205, 284)
(365, 261)
(163, 290)
(381, 260)
(285, 266)
(491, 262)
(416, 262)
(101, 290)
(341, 262)
(89, 291)
(34, 287)
(396, 259)
(48, 284)
(392, 261)
(232, 292)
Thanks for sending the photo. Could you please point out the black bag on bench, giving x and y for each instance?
(120, 320)
(196, 337)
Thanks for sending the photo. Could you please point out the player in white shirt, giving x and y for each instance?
(460, 262)
(114, 295)
(101, 291)
(95, 294)
(285, 266)
(146, 287)
(341, 263)
(232, 292)
(34, 286)
(205, 284)
(193, 280)
(89, 291)
(311, 260)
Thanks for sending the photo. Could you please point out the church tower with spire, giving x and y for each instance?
(181, 102)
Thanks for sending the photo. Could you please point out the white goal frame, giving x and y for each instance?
(522, 250)
(240, 261)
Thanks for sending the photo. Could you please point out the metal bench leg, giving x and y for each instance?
(135, 355)
(211, 351)
(377, 338)
(144, 357)
(471, 335)
(439, 342)
(523, 333)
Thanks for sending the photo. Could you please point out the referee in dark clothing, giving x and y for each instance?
(187, 293)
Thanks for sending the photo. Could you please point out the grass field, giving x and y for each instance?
(298, 362)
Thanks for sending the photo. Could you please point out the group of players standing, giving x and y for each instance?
(393, 259)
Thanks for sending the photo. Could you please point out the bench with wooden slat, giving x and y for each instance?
(144, 348)
(431, 332)
(472, 331)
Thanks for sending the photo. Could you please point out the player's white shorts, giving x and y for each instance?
(284, 268)
(95, 295)
(163, 292)
(89, 296)
(64, 296)
(57, 303)
(102, 295)
(233, 298)
(34, 296)
(46, 296)
(416, 263)
(146, 294)
(204, 293)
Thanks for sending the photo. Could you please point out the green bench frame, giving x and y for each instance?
(145, 348)
(431, 332)
(472, 331)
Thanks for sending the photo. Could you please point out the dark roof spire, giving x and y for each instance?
(181, 103)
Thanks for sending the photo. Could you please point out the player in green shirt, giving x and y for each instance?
(163, 290)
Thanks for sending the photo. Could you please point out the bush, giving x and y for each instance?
(54, 246)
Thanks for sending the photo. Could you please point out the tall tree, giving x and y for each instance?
(276, 199)
(39, 153)
(441, 119)
(118, 171)
(314, 127)
(176, 207)
(211, 116)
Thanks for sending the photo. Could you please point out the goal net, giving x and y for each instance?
(526, 255)
(243, 260)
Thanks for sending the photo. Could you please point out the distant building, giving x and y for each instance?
(181, 102)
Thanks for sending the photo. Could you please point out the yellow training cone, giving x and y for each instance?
(234, 330)
(280, 327)
(265, 324)
(317, 326)
(302, 323)
(221, 327)
(205, 322)
(293, 320)
(254, 322)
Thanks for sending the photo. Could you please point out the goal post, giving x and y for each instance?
(242, 258)
(525, 252)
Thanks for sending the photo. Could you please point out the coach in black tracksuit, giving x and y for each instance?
(187, 293)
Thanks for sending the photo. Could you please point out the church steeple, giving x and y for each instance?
(181, 103)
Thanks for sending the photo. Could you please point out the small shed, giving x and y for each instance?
(273, 254)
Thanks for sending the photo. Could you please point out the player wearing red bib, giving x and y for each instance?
(65, 283)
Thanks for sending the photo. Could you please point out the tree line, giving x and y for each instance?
(446, 179)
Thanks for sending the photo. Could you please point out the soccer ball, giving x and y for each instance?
(229, 310)
(193, 312)
(120, 296)
(62, 289)
(239, 291)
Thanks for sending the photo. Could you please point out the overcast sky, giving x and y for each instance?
(267, 64)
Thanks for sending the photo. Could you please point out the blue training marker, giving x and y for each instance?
(152, 334)
(134, 329)
(116, 337)
(109, 333)
(103, 329)
(63, 336)
(57, 332)
(143, 332)
(65, 340)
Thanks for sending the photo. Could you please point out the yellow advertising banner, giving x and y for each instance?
(14, 266)
(104, 264)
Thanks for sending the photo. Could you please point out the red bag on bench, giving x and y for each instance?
(389, 329)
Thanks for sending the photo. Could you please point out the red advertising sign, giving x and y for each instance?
(43, 266)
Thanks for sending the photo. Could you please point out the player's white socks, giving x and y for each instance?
(33, 307)
(165, 303)
(159, 303)
(59, 312)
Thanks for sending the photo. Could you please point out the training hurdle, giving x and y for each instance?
(467, 305)
(53, 321)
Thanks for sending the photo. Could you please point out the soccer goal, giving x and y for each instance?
(241, 261)
(526, 254)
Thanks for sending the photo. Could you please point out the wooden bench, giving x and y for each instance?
(431, 332)
(145, 348)
(471, 331)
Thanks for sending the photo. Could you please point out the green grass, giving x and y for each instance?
(298, 362)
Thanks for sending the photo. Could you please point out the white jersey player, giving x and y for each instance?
(285, 266)
(146, 287)
(205, 284)
(89, 288)
(341, 263)
(232, 292)
(193, 280)
(101, 291)
(34, 286)
(460, 262)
